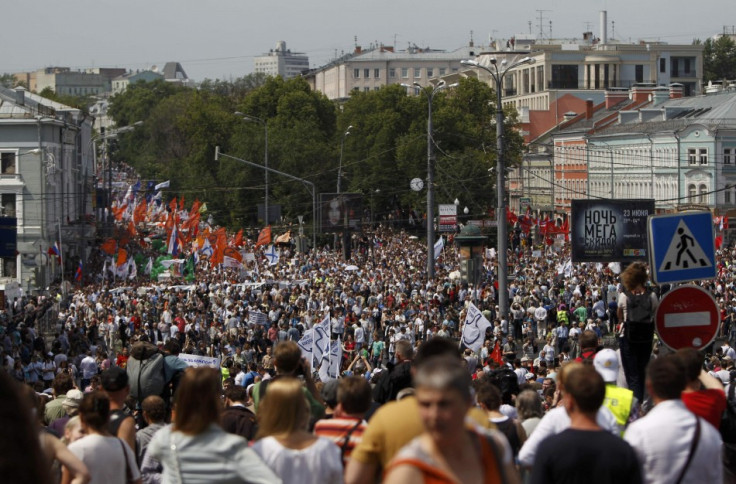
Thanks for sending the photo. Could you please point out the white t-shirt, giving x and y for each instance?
(103, 457)
(320, 463)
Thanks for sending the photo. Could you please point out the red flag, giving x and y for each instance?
(725, 222)
(496, 354)
(181, 203)
(195, 207)
(238, 242)
(122, 257)
(264, 238)
(139, 214)
(510, 216)
(172, 205)
(108, 246)
(132, 232)
(719, 241)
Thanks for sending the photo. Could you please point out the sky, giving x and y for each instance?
(218, 39)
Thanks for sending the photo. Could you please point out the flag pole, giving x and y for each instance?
(61, 259)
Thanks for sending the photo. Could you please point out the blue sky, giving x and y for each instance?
(219, 38)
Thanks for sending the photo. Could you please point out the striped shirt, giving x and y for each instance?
(338, 429)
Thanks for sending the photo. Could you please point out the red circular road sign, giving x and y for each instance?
(687, 317)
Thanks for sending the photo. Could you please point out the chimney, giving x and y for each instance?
(588, 108)
(358, 49)
(640, 94)
(615, 97)
(675, 90)
(20, 96)
(604, 27)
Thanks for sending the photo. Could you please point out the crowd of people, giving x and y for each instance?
(563, 389)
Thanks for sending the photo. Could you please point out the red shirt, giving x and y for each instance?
(708, 404)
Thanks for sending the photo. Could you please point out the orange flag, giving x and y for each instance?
(264, 238)
(108, 246)
(231, 252)
(181, 203)
(122, 257)
(119, 211)
(139, 214)
(172, 205)
(238, 242)
(496, 355)
(195, 207)
(132, 232)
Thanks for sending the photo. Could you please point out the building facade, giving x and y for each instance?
(382, 66)
(46, 182)
(281, 61)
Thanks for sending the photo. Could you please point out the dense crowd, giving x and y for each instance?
(407, 404)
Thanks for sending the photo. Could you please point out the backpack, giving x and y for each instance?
(146, 371)
(639, 324)
(506, 381)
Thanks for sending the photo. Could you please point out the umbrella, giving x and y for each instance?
(351, 268)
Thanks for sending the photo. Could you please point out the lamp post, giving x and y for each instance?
(254, 119)
(342, 147)
(430, 92)
(497, 74)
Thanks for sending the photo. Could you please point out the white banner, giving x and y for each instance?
(195, 361)
(306, 344)
(330, 367)
(474, 329)
(321, 345)
(438, 246)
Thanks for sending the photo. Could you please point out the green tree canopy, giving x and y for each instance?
(719, 59)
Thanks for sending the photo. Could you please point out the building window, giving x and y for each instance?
(7, 200)
(691, 192)
(726, 156)
(377, 88)
(366, 73)
(366, 89)
(7, 163)
(727, 195)
(391, 72)
(687, 66)
(405, 72)
(662, 65)
(639, 73)
(443, 70)
(356, 73)
(703, 192)
(430, 72)
(417, 72)
(703, 156)
(376, 73)
(692, 156)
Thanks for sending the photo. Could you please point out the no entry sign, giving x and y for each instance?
(687, 317)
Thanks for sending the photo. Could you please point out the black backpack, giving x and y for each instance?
(639, 324)
(505, 380)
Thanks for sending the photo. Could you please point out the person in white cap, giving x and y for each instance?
(620, 401)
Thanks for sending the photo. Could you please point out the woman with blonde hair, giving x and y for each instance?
(194, 449)
(284, 443)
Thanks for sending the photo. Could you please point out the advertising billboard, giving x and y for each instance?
(337, 209)
(447, 218)
(610, 230)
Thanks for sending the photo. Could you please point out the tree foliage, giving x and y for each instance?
(386, 147)
(719, 59)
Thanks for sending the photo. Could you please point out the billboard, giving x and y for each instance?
(8, 237)
(610, 230)
(337, 209)
(447, 218)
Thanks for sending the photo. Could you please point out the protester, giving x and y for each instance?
(703, 395)
(121, 423)
(194, 448)
(584, 452)
(620, 401)
(154, 415)
(346, 427)
(109, 460)
(636, 307)
(672, 444)
(284, 442)
(448, 451)
(236, 417)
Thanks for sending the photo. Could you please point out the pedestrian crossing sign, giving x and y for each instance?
(682, 247)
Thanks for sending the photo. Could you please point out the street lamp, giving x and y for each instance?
(342, 147)
(253, 119)
(430, 92)
(497, 74)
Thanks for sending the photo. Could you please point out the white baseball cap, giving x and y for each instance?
(606, 364)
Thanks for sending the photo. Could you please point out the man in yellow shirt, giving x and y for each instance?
(620, 401)
(396, 423)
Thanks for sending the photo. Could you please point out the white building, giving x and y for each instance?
(381, 66)
(281, 62)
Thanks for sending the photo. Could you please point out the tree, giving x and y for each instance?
(8, 80)
(719, 59)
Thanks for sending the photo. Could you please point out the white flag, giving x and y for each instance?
(474, 328)
(231, 262)
(306, 344)
(321, 345)
(273, 255)
(438, 246)
(149, 266)
(330, 367)
(133, 269)
(161, 185)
